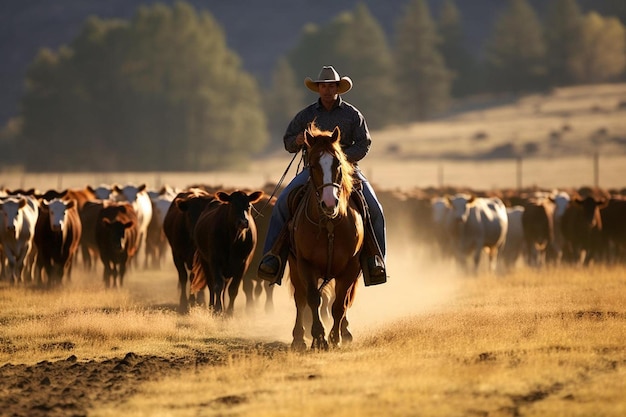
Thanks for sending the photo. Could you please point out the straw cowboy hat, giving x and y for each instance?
(329, 75)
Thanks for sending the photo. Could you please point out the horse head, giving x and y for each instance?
(331, 173)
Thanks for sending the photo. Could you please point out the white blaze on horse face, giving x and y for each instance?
(329, 192)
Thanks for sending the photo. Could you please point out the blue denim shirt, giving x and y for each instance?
(355, 136)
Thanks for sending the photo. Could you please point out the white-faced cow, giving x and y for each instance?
(138, 197)
(475, 224)
(18, 216)
(226, 237)
(538, 223)
(57, 237)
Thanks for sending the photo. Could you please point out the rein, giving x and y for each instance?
(280, 182)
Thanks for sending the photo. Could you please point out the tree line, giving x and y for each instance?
(162, 91)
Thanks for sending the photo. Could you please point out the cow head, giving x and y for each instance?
(58, 212)
(10, 211)
(240, 207)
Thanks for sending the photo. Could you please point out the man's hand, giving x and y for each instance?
(300, 139)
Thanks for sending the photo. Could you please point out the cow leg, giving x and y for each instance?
(250, 292)
(183, 303)
(233, 290)
(269, 297)
(122, 272)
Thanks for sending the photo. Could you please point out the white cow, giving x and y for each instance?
(477, 223)
(156, 242)
(561, 201)
(514, 245)
(18, 217)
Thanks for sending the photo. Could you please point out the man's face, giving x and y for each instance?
(328, 92)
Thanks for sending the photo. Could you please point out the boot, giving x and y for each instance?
(372, 263)
(272, 266)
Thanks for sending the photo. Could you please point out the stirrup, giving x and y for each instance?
(272, 278)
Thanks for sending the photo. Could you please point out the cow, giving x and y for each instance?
(561, 200)
(538, 224)
(514, 244)
(251, 284)
(474, 224)
(178, 226)
(117, 233)
(138, 197)
(57, 238)
(581, 225)
(613, 232)
(156, 242)
(18, 217)
(226, 237)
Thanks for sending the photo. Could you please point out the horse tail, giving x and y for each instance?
(199, 279)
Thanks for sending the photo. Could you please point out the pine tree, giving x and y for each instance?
(422, 77)
(563, 28)
(284, 99)
(456, 56)
(355, 44)
(516, 50)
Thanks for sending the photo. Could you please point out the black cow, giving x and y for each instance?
(117, 235)
(581, 226)
(226, 237)
(178, 225)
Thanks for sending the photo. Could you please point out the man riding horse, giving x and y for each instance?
(328, 112)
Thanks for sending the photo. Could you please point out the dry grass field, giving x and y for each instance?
(430, 342)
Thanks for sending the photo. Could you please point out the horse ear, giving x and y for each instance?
(336, 134)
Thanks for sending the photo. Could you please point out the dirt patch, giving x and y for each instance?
(71, 387)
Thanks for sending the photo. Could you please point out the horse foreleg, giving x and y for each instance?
(314, 300)
(299, 297)
(340, 305)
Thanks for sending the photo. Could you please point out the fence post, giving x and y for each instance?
(596, 169)
(519, 173)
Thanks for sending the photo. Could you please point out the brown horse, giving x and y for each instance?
(327, 237)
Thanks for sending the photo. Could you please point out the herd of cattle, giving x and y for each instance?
(212, 234)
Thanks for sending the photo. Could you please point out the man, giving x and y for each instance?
(329, 111)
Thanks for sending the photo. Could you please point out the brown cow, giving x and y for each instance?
(178, 226)
(251, 284)
(57, 237)
(226, 237)
(117, 235)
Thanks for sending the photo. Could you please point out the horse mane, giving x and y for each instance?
(324, 143)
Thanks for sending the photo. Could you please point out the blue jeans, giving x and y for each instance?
(280, 213)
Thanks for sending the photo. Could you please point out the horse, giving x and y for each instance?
(327, 235)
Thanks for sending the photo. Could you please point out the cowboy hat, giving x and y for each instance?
(329, 75)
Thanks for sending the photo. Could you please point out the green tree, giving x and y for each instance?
(421, 73)
(283, 100)
(355, 44)
(602, 53)
(515, 53)
(159, 92)
(455, 54)
(563, 26)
